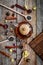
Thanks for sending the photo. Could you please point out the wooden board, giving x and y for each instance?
(37, 45)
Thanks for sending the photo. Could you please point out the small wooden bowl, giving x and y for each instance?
(19, 34)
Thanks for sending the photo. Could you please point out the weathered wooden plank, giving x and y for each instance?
(37, 45)
(32, 54)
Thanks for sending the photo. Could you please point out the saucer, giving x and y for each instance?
(21, 36)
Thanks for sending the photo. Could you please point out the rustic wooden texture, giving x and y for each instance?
(37, 40)
(37, 45)
(33, 56)
(33, 23)
(19, 19)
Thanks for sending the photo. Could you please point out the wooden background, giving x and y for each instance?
(36, 23)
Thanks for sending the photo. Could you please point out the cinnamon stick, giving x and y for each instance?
(4, 26)
(5, 54)
(18, 6)
(10, 18)
(23, 8)
(11, 47)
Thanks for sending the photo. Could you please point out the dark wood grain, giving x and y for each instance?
(37, 45)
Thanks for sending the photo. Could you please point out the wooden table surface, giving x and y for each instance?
(32, 55)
